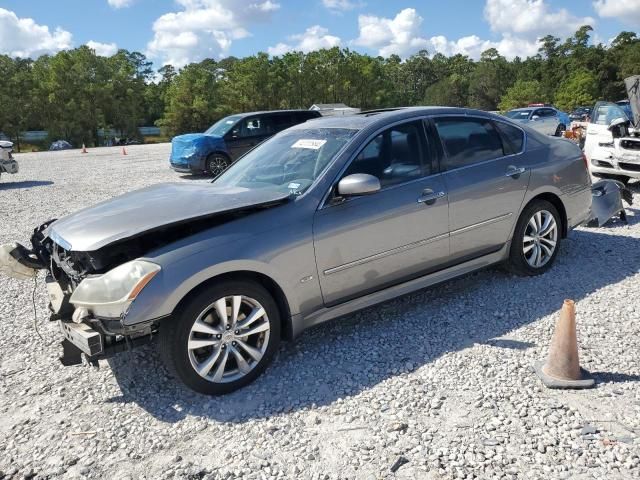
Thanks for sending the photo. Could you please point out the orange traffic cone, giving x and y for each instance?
(84, 149)
(562, 368)
(124, 151)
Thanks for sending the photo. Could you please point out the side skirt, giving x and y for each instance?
(324, 314)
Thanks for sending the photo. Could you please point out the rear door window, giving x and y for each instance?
(468, 141)
(282, 121)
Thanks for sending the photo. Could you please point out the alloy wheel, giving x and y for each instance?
(228, 339)
(217, 165)
(540, 239)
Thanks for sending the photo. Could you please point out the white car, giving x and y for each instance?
(546, 120)
(611, 149)
(7, 162)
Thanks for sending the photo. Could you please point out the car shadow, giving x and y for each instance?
(196, 176)
(24, 184)
(347, 356)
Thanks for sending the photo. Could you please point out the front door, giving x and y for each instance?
(486, 176)
(367, 243)
(248, 133)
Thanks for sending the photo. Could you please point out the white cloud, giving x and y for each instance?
(473, 46)
(103, 49)
(627, 11)
(23, 37)
(121, 3)
(399, 35)
(531, 18)
(337, 6)
(205, 28)
(402, 35)
(313, 38)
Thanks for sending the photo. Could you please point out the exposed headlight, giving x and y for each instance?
(110, 295)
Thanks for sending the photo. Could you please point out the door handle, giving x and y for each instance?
(429, 197)
(515, 172)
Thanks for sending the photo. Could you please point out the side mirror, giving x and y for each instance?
(535, 118)
(358, 184)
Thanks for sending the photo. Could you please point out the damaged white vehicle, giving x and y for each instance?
(7, 163)
(612, 145)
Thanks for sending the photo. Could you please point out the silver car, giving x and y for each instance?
(545, 119)
(325, 218)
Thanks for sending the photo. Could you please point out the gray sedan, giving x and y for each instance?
(323, 219)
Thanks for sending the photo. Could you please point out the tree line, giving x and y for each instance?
(75, 93)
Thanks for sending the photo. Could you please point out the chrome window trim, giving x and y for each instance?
(384, 254)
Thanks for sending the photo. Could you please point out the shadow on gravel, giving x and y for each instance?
(24, 184)
(350, 355)
(611, 377)
(505, 343)
(195, 176)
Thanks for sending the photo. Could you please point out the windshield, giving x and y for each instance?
(518, 114)
(288, 162)
(221, 127)
(606, 112)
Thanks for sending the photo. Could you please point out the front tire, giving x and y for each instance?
(217, 163)
(536, 240)
(223, 338)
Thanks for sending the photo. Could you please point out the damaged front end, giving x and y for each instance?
(87, 296)
(97, 259)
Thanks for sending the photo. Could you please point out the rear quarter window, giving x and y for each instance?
(512, 138)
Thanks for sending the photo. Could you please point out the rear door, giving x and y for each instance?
(367, 243)
(486, 177)
(598, 128)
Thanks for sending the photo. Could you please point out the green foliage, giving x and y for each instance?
(522, 93)
(580, 89)
(75, 93)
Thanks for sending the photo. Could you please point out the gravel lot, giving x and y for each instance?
(437, 383)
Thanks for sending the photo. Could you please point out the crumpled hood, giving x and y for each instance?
(150, 208)
(189, 144)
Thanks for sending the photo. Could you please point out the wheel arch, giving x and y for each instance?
(218, 151)
(267, 282)
(556, 201)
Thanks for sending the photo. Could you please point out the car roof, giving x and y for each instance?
(382, 117)
(263, 112)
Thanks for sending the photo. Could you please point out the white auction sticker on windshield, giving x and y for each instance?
(309, 143)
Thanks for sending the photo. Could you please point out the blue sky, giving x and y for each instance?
(180, 31)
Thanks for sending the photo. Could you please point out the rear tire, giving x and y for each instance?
(561, 128)
(217, 163)
(215, 355)
(536, 239)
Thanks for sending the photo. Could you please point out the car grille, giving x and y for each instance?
(633, 167)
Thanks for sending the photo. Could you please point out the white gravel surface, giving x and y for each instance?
(437, 383)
